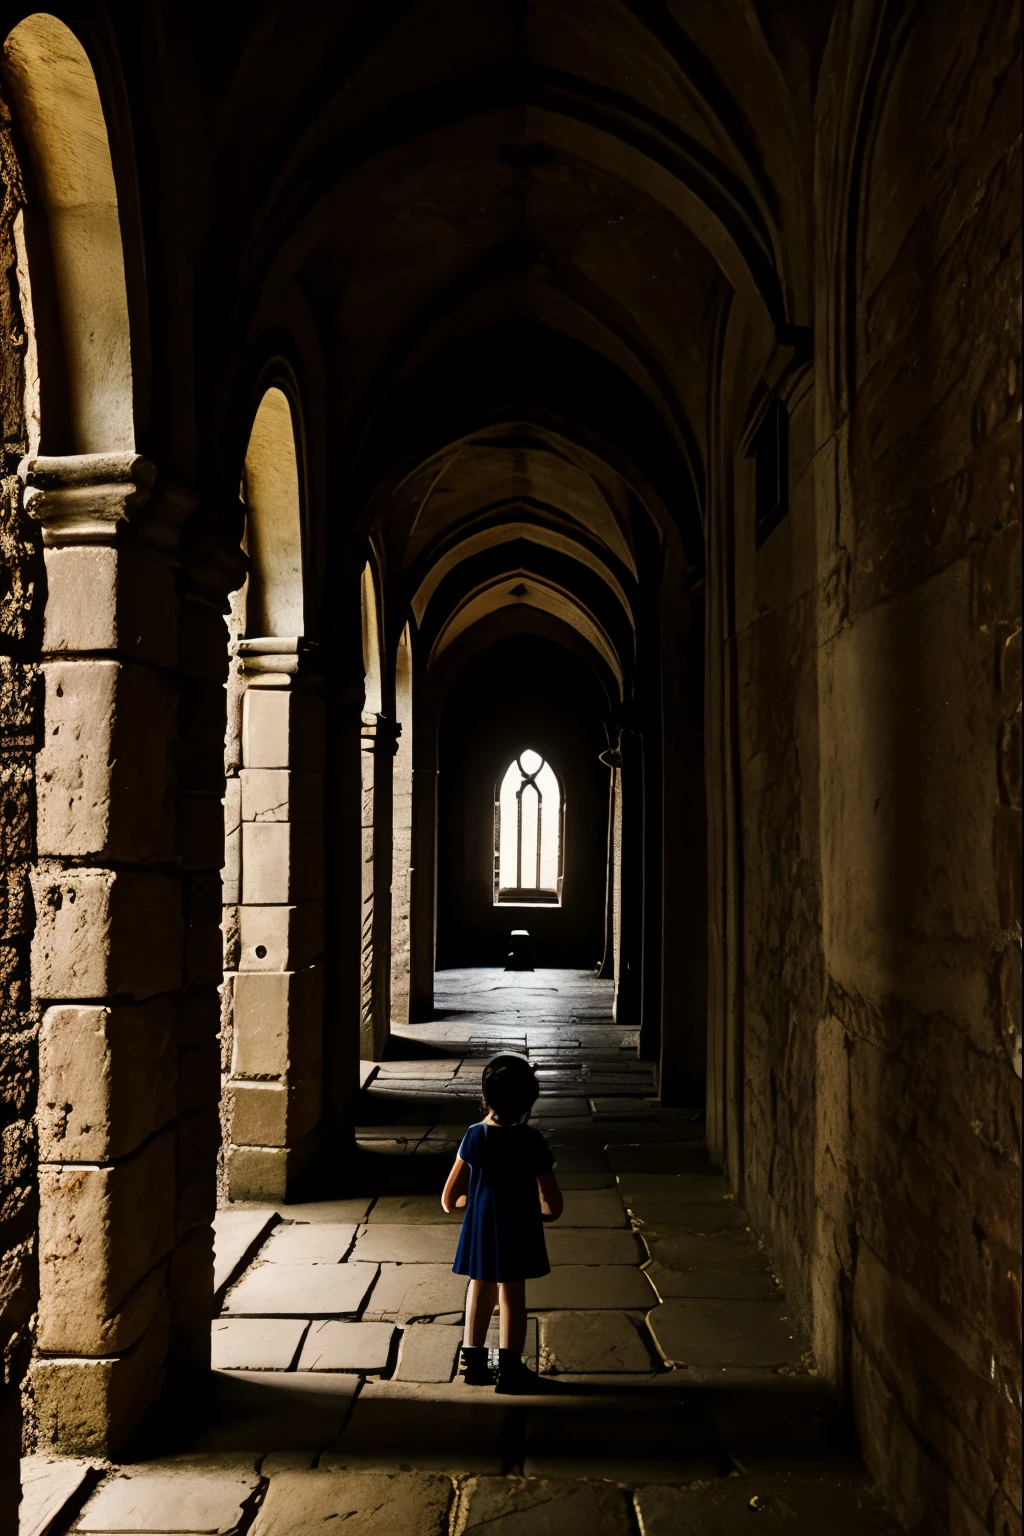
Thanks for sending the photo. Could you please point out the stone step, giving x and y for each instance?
(585, 1428)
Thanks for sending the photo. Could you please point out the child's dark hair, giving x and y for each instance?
(509, 1088)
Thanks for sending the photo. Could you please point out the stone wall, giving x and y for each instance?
(21, 593)
(878, 644)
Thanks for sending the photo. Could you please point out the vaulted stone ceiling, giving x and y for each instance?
(510, 228)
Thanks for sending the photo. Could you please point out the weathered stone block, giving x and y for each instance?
(101, 932)
(106, 1079)
(282, 862)
(427, 1352)
(88, 1407)
(373, 1503)
(195, 1499)
(101, 1230)
(274, 1114)
(103, 599)
(278, 1023)
(103, 773)
(281, 794)
(280, 938)
(282, 729)
(231, 874)
(267, 1173)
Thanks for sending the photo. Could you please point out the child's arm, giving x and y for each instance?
(453, 1197)
(551, 1202)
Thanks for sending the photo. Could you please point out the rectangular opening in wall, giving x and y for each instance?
(770, 451)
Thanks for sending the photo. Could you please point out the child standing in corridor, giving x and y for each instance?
(503, 1177)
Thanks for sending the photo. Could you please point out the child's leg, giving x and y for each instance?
(480, 1303)
(513, 1316)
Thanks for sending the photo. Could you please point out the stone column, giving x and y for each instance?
(107, 956)
(273, 892)
(423, 882)
(379, 742)
(628, 981)
(606, 970)
(401, 883)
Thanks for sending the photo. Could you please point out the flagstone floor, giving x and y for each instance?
(679, 1392)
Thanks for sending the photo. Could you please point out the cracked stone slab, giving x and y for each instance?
(716, 1332)
(592, 1245)
(301, 1290)
(407, 1244)
(583, 1342)
(47, 1487)
(407, 1291)
(334, 1346)
(800, 1503)
(255, 1343)
(237, 1234)
(346, 1212)
(577, 1288)
(362, 1503)
(412, 1210)
(309, 1243)
(541, 1506)
(428, 1352)
(184, 1500)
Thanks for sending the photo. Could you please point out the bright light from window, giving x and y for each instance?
(529, 831)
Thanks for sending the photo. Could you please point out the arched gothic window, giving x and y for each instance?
(528, 824)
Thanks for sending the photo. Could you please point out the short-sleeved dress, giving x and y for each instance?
(502, 1231)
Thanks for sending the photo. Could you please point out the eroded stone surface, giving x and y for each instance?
(185, 1500)
(799, 1505)
(334, 1346)
(600, 1245)
(236, 1234)
(46, 1487)
(577, 1287)
(406, 1291)
(528, 1506)
(362, 1503)
(416, 1210)
(714, 1332)
(315, 1243)
(411, 1243)
(581, 1342)
(255, 1343)
(427, 1352)
(301, 1290)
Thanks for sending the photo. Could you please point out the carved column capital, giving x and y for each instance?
(83, 498)
(379, 734)
(275, 661)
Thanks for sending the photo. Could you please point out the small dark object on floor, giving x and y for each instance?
(520, 954)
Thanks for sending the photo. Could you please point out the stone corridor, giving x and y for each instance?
(679, 1393)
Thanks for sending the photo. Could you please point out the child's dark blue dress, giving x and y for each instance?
(502, 1231)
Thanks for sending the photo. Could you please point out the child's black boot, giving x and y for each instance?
(476, 1366)
(514, 1375)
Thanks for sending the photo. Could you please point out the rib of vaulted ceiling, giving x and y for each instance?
(514, 226)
